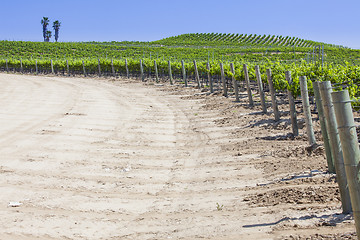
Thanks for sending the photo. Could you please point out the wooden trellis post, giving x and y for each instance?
(336, 152)
(84, 68)
(52, 66)
(112, 68)
(225, 94)
(273, 95)
(319, 106)
(184, 73)
(127, 69)
(170, 73)
(142, 71)
(247, 80)
(350, 149)
(209, 77)
(234, 82)
(197, 75)
(261, 89)
(293, 117)
(99, 67)
(156, 72)
(67, 66)
(307, 112)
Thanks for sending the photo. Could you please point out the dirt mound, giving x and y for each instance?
(295, 195)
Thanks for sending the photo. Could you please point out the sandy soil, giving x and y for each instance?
(104, 159)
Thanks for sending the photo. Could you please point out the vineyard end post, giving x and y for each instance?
(336, 152)
(319, 106)
(350, 148)
(307, 111)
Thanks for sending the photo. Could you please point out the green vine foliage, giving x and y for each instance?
(341, 76)
(341, 65)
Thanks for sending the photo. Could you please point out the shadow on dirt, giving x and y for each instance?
(324, 220)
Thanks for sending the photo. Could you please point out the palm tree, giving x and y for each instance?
(44, 23)
(47, 36)
(56, 26)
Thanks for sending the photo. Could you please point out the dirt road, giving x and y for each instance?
(97, 159)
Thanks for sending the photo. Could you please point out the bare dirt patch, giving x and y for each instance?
(120, 159)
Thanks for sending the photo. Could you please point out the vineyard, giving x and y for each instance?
(315, 60)
(183, 143)
(222, 39)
